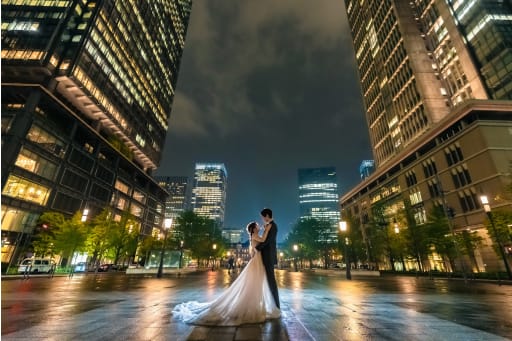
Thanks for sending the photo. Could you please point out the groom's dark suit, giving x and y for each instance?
(269, 256)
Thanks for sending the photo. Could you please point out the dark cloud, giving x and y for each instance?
(267, 87)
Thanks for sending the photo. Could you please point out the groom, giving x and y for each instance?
(269, 252)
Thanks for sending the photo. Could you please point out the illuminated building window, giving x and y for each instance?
(122, 187)
(46, 140)
(139, 196)
(36, 164)
(17, 187)
(136, 210)
(14, 219)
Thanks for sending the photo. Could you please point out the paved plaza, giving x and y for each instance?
(314, 307)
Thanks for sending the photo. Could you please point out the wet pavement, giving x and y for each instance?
(314, 307)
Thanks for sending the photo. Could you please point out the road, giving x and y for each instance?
(314, 307)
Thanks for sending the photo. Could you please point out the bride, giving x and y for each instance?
(247, 300)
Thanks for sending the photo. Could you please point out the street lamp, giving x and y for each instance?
(281, 260)
(167, 226)
(487, 208)
(343, 229)
(181, 253)
(295, 249)
(214, 247)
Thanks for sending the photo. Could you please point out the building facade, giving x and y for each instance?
(418, 60)
(87, 88)
(318, 195)
(177, 202)
(209, 191)
(435, 79)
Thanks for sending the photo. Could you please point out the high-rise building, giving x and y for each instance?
(437, 96)
(233, 235)
(87, 89)
(418, 60)
(209, 191)
(318, 194)
(176, 203)
(366, 168)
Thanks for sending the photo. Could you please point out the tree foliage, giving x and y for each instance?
(199, 235)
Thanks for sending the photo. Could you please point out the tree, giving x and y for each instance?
(470, 241)
(146, 245)
(378, 234)
(439, 236)
(44, 238)
(199, 234)
(357, 248)
(414, 235)
(97, 242)
(122, 237)
(503, 224)
(70, 235)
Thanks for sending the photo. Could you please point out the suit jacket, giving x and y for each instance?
(268, 248)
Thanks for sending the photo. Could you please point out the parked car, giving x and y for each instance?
(37, 265)
(106, 267)
(80, 267)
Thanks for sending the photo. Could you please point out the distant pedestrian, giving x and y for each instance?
(52, 270)
(231, 264)
(26, 272)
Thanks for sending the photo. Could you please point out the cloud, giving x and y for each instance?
(231, 43)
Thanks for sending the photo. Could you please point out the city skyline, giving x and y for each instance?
(266, 88)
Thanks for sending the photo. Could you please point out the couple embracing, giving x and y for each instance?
(253, 296)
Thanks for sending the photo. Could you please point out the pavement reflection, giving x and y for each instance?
(314, 307)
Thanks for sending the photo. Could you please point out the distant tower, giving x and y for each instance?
(176, 202)
(318, 194)
(209, 192)
(366, 168)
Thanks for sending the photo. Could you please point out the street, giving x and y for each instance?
(314, 307)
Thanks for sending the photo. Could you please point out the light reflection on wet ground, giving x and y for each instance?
(116, 306)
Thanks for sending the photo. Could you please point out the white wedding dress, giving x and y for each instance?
(247, 300)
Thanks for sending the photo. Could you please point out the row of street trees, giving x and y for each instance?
(397, 239)
(102, 237)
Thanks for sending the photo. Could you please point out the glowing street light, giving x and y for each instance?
(295, 249)
(344, 230)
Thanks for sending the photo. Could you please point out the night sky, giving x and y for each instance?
(267, 87)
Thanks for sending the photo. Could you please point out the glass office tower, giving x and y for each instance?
(209, 192)
(176, 203)
(318, 194)
(87, 89)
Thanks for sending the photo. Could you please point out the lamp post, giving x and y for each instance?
(181, 253)
(343, 229)
(397, 232)
(487, 209)
(167, 226)
(295, 249)
(214, 247)
(280, 260)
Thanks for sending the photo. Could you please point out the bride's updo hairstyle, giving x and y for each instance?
(251, 227)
